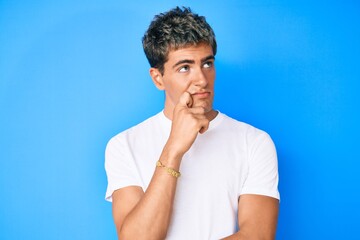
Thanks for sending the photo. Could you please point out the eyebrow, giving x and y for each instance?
(192, 61)
(210, 57)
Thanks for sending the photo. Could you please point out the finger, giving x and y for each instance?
(186, 100)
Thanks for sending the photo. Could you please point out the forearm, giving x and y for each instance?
(241, 235)
(151, 216)
(236, 236)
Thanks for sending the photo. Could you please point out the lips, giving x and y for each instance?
(201, 94)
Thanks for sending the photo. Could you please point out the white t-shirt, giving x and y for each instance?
(230, 159)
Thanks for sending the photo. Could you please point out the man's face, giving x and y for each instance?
(189, 69)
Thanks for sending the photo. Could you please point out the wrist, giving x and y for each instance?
(175, 148)
(171, 156)
(170, 171)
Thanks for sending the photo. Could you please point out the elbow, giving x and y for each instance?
(125, 232)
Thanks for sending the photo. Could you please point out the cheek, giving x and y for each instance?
(210, 73)
(177, 87)
(211, 78)
(182, 84)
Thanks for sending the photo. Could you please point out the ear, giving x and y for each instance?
(157, 78)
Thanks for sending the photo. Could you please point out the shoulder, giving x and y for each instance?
(143, 128)
(145, 125)
(250, 136)
(240, 127)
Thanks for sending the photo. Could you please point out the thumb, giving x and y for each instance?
(186, 100)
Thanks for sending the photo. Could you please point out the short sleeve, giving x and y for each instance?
(120, 167)
(262, 176)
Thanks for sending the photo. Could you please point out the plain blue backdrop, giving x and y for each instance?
(73, 74)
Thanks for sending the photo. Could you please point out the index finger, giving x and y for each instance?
(186, 99)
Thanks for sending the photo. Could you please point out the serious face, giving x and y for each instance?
(188, 69)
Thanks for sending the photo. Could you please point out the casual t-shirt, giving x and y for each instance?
(230, 159)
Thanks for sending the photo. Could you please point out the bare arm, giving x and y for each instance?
(138, 214)
(257, 217)
(146, 215)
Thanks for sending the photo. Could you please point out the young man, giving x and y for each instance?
(190, 172)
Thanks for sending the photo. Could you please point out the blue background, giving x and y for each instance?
(73, 74)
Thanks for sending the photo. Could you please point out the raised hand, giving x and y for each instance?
(187, 122)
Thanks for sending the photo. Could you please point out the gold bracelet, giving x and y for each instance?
(171, 171)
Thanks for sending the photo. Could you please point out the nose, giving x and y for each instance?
(200, 80)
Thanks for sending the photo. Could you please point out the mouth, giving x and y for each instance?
(202, 94)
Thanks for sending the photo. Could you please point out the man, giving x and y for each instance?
(190, 172)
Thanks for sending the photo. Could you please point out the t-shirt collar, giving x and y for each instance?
(213, 123)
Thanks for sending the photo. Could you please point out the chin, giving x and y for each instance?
(205, 104)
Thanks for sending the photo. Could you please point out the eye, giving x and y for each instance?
(184, 68)
(208, 64)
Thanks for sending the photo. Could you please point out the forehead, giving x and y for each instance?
(192, 52)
